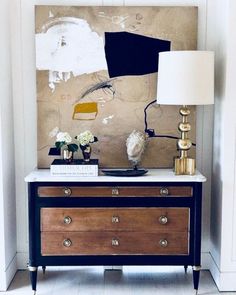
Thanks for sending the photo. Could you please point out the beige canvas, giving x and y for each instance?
(61, 86)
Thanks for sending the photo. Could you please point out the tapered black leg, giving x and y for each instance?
(33, 277)
(196, 276)
(44, 269)
(185, 268)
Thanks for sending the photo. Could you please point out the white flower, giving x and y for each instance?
(85, 137)
(64, 137)
(53, 132)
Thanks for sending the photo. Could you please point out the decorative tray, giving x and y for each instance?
(125, 172)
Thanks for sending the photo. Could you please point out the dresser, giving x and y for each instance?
(153, 219)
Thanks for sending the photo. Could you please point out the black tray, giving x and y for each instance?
(126, 172)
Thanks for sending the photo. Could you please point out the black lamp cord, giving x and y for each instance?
(151, 132)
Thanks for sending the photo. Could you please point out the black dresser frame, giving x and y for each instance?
(194, 203)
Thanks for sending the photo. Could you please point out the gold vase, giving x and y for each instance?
(67, 155)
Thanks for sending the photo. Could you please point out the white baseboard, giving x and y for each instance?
(8, 275)
(225, 281)
(205, 258)
(22, 260)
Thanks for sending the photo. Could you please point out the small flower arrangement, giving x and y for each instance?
(64, 139)
(64, 142)
(85, 138)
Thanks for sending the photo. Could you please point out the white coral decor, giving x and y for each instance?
(135, 146)
(85, 138)
(63, 137)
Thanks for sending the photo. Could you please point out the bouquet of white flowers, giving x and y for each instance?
(64, 143)
(64, 139)
(85, 138)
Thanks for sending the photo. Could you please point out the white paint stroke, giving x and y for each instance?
(107, 119)
(69, 46)
(115, 19)
(54, 132)
(50, 14)
(57, 77)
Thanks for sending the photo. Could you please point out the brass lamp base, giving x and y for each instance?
(184, 166)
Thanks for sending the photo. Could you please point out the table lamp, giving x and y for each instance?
(185, 78)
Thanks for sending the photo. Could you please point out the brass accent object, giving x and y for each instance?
(67, 220)
(115, 242)
(115, 219)
(67, 191)
(163, 219)
(164, 191)
(197, 268)
(32, 268)
(67, 243)
(163, 243)
(115, 191)
(183, 164)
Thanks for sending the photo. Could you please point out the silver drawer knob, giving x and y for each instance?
(115, 191)
(164, 191)
(67, 191)
(163, 243)
(67, 220)
(163, 219)
(67, 243)
(115, 219)
(114, 242)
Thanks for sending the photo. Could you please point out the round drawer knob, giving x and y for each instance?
(67, 220)
(115, 219)
(114, 242)
(163, 219)
(115, 191)
(164, 191)
(163, 243)
(67, 243)
(67, 191)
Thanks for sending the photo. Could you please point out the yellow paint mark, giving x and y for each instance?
(85, 111)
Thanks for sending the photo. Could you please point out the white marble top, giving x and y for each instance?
(153, 175)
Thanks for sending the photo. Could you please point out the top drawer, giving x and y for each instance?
(115, 191)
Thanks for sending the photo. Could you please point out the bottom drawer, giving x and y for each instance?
(113, 243)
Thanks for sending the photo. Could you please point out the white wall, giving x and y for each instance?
(7, 167)
(222, 20)
(24, 93)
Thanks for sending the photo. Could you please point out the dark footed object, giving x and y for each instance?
(128, 172)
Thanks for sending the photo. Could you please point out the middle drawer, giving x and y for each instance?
(120, 219)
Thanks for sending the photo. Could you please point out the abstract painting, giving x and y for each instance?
(97, 70)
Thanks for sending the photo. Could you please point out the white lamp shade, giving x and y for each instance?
(185, 78)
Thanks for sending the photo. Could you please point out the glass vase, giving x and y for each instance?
(86, 151)
(67, 155)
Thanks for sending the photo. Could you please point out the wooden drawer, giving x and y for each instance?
(119, 219)
(113, 243)
(100, 191)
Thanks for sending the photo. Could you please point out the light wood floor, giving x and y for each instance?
(132, 281)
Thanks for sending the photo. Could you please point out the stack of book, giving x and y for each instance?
(75, 168)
